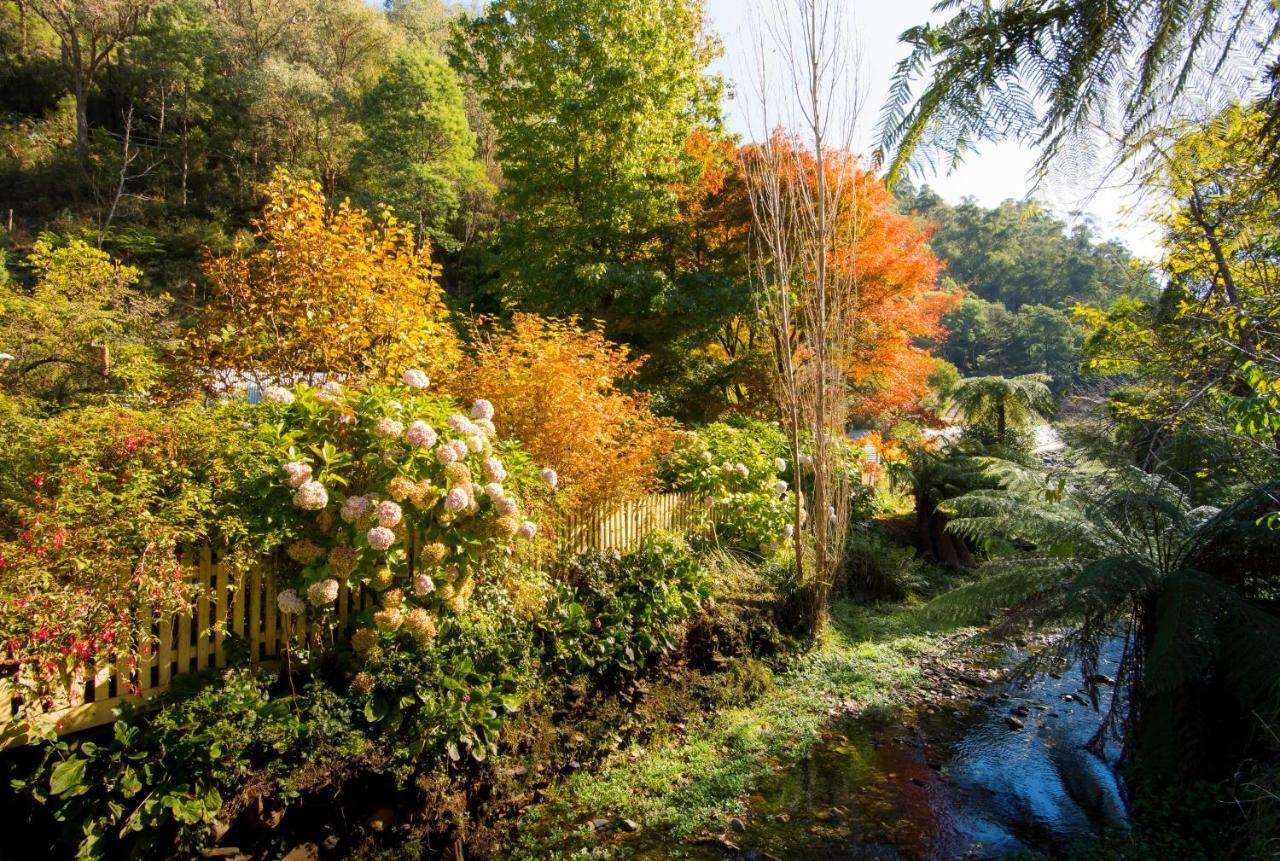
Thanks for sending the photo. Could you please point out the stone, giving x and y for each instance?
(1014, 723)
(737, 825)
(630, 825)
(303, 852)
(597, 824)
(381, 819)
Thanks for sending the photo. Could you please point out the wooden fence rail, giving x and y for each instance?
(244, 605)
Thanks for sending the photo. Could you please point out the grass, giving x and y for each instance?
(687, 782)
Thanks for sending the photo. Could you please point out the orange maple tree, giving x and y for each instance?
(325, 292)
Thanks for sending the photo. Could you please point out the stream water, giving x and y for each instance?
(956, 779)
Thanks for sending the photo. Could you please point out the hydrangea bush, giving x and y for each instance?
(394, 489)
(743, 478)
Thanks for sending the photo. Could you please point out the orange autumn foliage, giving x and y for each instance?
(325, 292)
(554, 387)
(897, 302)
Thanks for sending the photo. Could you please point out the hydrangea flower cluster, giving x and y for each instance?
(395, 492)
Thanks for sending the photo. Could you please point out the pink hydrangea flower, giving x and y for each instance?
(487, 427)
(417, 379)
(380, 538)
(493, 469)
(457, 500)
(528, 529)
(460, 424)
(323, 593)
(476, 443)
(550, 478)
(311, 496)
(493, 490)
(421, 435)
(354, 507)
(388, 428)
(298, 472)
(446, 454)
(423, 585)
(506, 506)
(388, 514)
(459, 448)
(482, 409)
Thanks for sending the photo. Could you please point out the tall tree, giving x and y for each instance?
(1002, 404)
(89, 31)
(593, 102)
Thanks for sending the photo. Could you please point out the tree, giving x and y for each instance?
(89, 31)
(561, 390)
(1053, 73)
(329, 292)
(1003, 404)
(593, 102)
(418, 153)
(82, 329)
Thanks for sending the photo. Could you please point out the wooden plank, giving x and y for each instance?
(148, 661)
(102, 679)
(222, 603)
(203, 610)
(255, 614)
(164, 652)
(344, 611)
(238, 600)
(272, 612)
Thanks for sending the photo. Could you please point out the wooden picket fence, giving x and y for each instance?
(244, 605)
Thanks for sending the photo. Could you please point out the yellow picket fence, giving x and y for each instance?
(244, 605)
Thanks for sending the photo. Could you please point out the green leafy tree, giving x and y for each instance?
(82, 329)
(593, 102)
(419, 154)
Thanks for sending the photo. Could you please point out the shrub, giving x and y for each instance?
(96, 503)
(330, 292)
(164, 779)
(612, 612)
(558, 390)
(741, 473)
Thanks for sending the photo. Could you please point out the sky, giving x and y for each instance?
(991, 174)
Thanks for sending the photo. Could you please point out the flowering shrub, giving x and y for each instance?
(394, 489)
(96, 503)
(612, 612)
(556, 387)
(742, 475)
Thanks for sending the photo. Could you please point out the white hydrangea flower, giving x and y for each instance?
(298, 473)
(550, 478)
(476, 443)
(332, 387)
(788, 531)
(487, 427)
(277, 395)
(459, 448)
(446, 454)
(417, 379)
(354, 507)
(506, 505)
(806, 460)
(493, 490)
(388, 428)
(423, 585)
(482, 409)
(389, 514)
(493, 469)
(421, 434)
(290, 604)
(457, 500)
(323, 593)
(461, 425)
(781, 487)
(528, 529)
(742, 470)
(311, 496)
(779, 464)
(380, 538)
(707, 457)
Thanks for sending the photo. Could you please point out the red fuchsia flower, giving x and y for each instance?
(466, 698)
(596, 624)
(37, 480)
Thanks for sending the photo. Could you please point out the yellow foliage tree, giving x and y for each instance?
(555, 388)
(326, 292)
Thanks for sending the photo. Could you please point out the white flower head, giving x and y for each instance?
(380, 538)
(446, 454)
(323, 593)
(290, 604)
(333, 387)
(482, 409)
(528, 529)
(461, 425)
(457, 500)
(493, 469)
(459, 448)
(416, 379)
(311, 496)
(806, 460)
(389, 514)
(493, 490)
(421, 435)
(354, 507)
(487, 427)
(277, 395)
(423, 585)
(298, 473)
(506, 505)
(388, 428)
(742, 470)
(707, 457)
(788, 531)
(549, 477)
(781, 486)
(476, 443)
(779, 464)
